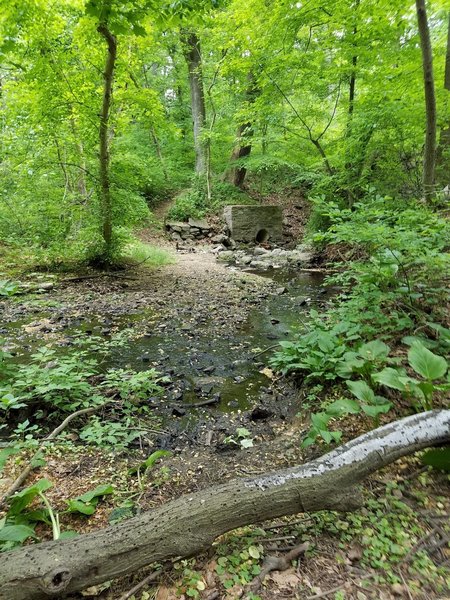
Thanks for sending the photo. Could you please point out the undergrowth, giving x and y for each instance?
(384, 338)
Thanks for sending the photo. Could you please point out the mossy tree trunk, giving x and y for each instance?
(104, 137)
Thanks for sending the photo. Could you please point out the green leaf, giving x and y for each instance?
(438, 458)
(100, 490)
(81, 507)
(427, 364)
(373, 350)
(254, 552)
(246, 443)
(362, 391)
(22, 499)
(375, 410)
(16, 533)
(149, 462)
(390, 378)
(343, 406)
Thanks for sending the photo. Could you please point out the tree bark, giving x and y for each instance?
(236, 174)
(190, 524)
(429, 161)
(108, 77)
(193, 58)
(443, 150)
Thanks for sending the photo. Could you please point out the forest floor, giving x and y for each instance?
(207, 328)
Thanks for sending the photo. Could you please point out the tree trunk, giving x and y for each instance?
(108, 76)
(192, 522)
(193, 58)
(236, 175)
(443, 151)
(429, 160)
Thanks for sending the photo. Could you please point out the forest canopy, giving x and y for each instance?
(327, 98)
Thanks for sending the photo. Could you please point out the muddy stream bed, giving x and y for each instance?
(212, 340)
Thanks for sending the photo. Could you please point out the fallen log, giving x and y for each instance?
(192, 522)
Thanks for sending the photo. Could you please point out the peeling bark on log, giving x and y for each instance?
(190, 524)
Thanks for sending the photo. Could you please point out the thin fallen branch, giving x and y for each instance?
(326, 592)
(202, 403)
(276, 563)
(141, 584)
(22, 477)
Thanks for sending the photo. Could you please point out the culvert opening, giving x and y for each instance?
(262, 236)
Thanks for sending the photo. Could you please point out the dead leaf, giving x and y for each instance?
(355, 552)
(285, 579)
(165, 593)
(268, 373)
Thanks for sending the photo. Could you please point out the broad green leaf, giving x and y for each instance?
(81, 507)
(375, 410)
(16, 533)
(373, 350)
(68, 535)
(425, 363)
(254, 552)
(343, 406)
(100, 490)
(22, 499)
(391, 378)
(438, 458)
(362, 391)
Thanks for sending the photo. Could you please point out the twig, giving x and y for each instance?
(281, 538)
(266, 350)
(202, 403)
(141, 584)
(326, 593)
(30, 467)
(276, 563)
(408, 591)
(287, 524)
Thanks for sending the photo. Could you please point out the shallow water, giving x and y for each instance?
(202, 362)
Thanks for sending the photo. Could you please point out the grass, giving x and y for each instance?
(140, 252)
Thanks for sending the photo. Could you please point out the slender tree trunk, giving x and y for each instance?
(236, 175)
(443, 150)
(192, 522)
(429, 161)
(105, 184)
(193, 58)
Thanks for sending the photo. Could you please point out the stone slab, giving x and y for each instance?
(254, 224)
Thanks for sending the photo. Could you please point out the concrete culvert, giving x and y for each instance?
(262, 236)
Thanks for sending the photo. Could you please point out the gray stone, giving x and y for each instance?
(252, 224)
(220, 238)
(226, 256)
(199, 223)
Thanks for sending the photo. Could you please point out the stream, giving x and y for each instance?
(222, 363)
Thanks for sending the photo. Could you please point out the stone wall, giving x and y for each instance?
(195, 229)
(250, 224)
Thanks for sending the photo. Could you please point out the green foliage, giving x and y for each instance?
(242, 438)
(430, 366)
(8, 288)
(87, 503)
(54, 383)
(142, 253)
(194, 201)
(149, 462)
(20, 521)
